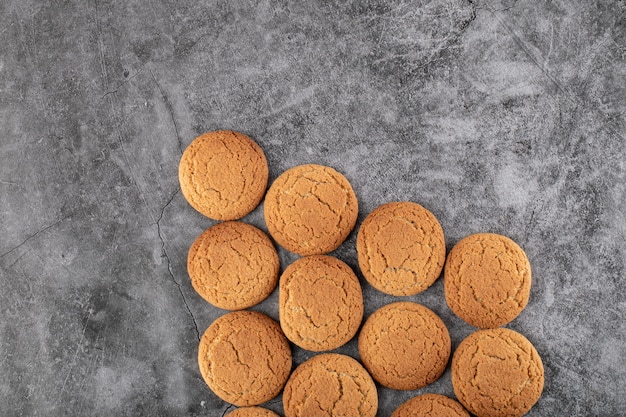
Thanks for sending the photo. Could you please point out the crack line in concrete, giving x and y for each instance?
(169, 262)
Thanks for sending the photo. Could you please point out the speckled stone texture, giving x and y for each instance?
(498, 116)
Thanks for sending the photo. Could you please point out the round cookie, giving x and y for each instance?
(404, 345)
(223, 174)
(487, 280)
(310, 209)
(401, 248)
(244, 358)
(320, 303)
(233, 265)
(430, 405)
(252, 412)
(330, 385)
(497, 372)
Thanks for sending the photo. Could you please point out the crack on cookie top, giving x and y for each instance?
(517, 370)
(306, 219)
(401, 248)
(404, 345)
(487, 279)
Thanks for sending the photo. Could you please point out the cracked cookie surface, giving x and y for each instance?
(320, 303)
(223, 174)
(497, 372)
(330, 385)
(401, 248)
(487, 280)
(310, 209)
(244, 358)
(233, 265)
(430, 405)
(404, 345)
(252, 412)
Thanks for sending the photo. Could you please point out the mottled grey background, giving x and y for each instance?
(498, 116)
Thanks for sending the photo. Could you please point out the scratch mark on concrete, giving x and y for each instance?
(103, 67)
(126, 81)
(526, 49)
(194, 43)
(132, 175)
(170, 110)
(18, 259)
(537, 61)
(104, 75)
(75, 357)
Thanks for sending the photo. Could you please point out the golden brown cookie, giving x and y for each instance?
(310, 209)
(233, 265)
(487, 280)
(330, 385)
(497, 372)
(401, 248)
(320, 303)
(244, 358)
(404, 345)
(430, 405)
(223, 174)
(252, 412)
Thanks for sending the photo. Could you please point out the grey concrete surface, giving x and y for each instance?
(498, 116)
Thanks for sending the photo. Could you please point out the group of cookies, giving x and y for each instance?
(245, 356)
